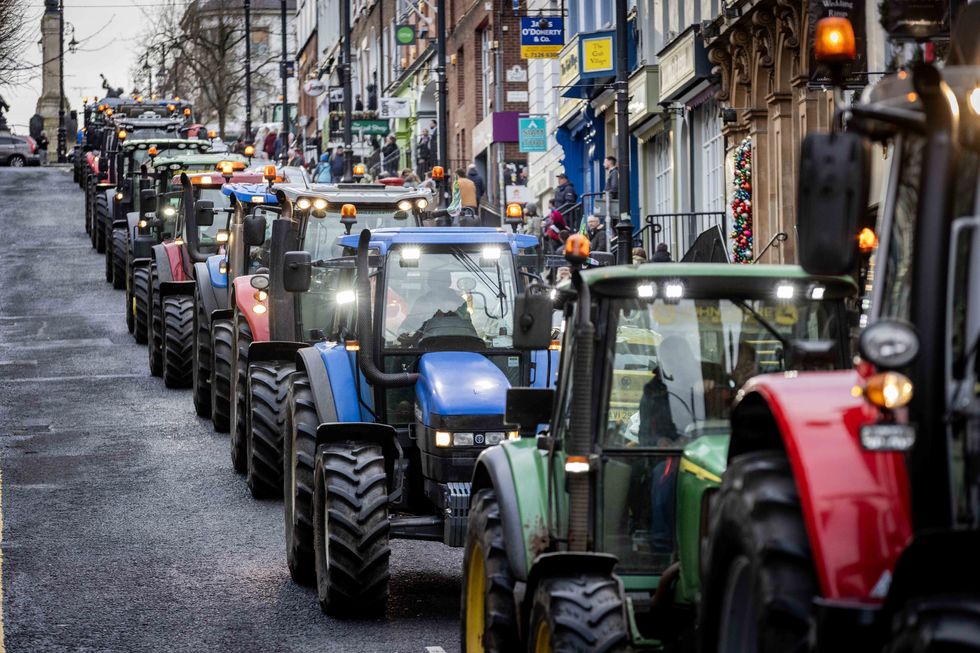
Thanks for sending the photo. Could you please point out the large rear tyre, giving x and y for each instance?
(298, 462)
(103, 224)
(202, 361)
(141, 303)
(583, 613)
(239, 375)
(489, 615)
(937, 625)
(154, 337)
(119, 247)
(222, 351)
(108, 257)
(267, 388)
(758, 578)
(350, 529)
(178, 341)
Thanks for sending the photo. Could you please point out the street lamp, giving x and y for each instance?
(248, 71)
(61, 82)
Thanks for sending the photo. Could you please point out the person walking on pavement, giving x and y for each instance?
(639, 255)
(389, 157)
(612, 177)
(338, 166)
(555, 227)
(269, 146)
(42, 146)
(474, 175)
(565, 195)
(423, 152)
(661, 254)
(596, 234)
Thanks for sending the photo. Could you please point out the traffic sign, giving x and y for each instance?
(542, 37)
(405, 34)
(533, 134)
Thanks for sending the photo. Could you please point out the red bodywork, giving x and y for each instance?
(244, 301)
(844, 489)
(175, 258)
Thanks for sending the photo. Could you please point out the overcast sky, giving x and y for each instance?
(107, 31)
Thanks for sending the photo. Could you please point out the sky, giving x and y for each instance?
(107, 31)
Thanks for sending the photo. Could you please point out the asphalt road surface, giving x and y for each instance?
(124, 527)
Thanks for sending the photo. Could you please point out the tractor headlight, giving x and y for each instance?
(444, 439)
(259, 309)
(119, 197)
(404, 205)
(463, 439)
(422, 203)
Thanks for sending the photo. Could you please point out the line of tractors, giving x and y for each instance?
(688, 456)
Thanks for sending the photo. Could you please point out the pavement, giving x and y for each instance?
(122, 524)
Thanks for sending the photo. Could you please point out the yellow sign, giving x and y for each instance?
(540, 51)
(597, 55)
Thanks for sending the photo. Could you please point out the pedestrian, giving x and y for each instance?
(410, 179)
(423, 152)
(596, 234)
(297, 159)
(639, 255)
(269, 147)
(358, 103)
(532, 221)
(661, 254)
(612, 177)
(554, 226)
(565, 195)
(390, 154)
(434, 139)
(322, 174)
(42, 146)
(338, 166)
(429, 182)
(474, 175)
(468, 198)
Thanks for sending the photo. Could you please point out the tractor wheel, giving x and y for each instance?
(489, 615)
(298, 456)
(140, 306)
(350, 528)
(103, 223)
(88, 210)
(759, 579)
(119, 247)
(267, 386)
(108, 257)
(222, 350)
(239, 375)
(582, 613)
(154, 339)
(178, 341)
(937, 625)
(202, 361)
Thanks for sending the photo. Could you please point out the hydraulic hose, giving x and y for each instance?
(365, 328)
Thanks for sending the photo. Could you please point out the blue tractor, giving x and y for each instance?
(387, 414)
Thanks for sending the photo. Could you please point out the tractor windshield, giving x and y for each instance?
(459, 292)
(372, 217)
(208, 235)
(676, 367)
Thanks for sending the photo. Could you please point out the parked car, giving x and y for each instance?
(18, 151)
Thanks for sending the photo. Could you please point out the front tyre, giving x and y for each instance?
(239, 375)
(298, 463)
(583, 613)
(222, 351)
(154, 336)
(202, 361)
(141, 303)
(489, 616)
(178, 341)
(758, 578)
(120, 245)
(267, 388)
(350, 529)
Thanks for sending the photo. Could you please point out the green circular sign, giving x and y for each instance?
(405, 35)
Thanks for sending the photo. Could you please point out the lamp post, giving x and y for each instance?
(61, 82)
(285, 79)
(248, 71)
(624, 228)
(345, 71)
(442, 93)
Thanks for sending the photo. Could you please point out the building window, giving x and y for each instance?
(486, 70)
(712, 158)
(663, 175)
(460, 77)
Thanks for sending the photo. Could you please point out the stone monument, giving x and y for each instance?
(47, 104)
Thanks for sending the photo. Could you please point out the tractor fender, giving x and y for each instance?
(493, 471)
(141, 262)
(308, 360)
(210, 297)
(561, 564)
(168, 288)
(855, 503)
(372, 432)
(132, 221)
(164, 272)
(274, 350)
(245, 301)
(340, 368)
(212, 267)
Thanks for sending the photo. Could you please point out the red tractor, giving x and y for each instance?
(848, 518)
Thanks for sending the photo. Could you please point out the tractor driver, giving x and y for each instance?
(436, 297)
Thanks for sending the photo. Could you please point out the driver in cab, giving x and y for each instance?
(436, 297)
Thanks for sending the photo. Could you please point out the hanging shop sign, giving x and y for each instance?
(597, 55)
(314, 87)
(533, 134)
(405, 34)
(395, 107)
(370, 127)
(854, 11)
(542, 37)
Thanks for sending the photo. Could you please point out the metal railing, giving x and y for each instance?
(680, 230)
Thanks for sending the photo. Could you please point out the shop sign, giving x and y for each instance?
(542, 37)
(854, 11)
(370, 127)
(533, 134)
(395, 107)
(597, 55)
(405, 34)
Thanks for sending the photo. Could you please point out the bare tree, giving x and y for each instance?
(13, 40)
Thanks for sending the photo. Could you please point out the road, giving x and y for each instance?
(124, 527)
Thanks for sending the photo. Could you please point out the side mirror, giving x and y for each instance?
(889, 344)
(526, 408)
(103, 165)
(204, 213)
(148, 199)
(253, 231)
(532, 321)
(832, 201)
(297, 271)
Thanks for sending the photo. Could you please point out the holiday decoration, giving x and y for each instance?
(741, 234)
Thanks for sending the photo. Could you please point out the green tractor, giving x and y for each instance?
(585, 533)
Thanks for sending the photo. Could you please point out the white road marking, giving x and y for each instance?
(428, 649)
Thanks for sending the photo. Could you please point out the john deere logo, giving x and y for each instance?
(405, 34)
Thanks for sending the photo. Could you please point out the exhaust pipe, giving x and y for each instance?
(580, 432)
(365, 328)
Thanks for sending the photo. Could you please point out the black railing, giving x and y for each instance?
(680, 230)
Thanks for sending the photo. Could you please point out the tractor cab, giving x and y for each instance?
(604, 495)
(135, 159)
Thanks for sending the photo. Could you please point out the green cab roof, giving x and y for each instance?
(714, 279)
(197, 158)
(162, 142)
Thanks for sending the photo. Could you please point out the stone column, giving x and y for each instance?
(782, 179)
(47, 104)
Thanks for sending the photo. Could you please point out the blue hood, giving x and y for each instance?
(459, 383)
